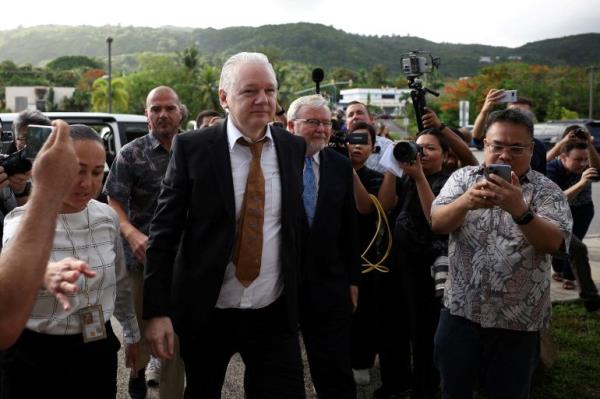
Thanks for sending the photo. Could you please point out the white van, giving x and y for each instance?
(115, 129)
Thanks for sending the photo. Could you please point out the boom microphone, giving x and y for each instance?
(317, 77)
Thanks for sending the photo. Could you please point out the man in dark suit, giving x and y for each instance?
(331, 261)
(222, 255)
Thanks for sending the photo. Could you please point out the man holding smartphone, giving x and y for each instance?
(497, 297)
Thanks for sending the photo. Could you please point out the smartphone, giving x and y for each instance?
(510, 96)
(504, 171)
(36, 137)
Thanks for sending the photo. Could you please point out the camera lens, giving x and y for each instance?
(406, 151)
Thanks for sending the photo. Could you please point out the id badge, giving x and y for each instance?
(92, 323)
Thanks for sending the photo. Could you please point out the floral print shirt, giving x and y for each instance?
(496, 278)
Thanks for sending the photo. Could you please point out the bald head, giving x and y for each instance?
(162, 91)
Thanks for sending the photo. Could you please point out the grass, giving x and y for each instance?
(576, 371)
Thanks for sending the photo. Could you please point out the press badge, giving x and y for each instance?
(92, 323)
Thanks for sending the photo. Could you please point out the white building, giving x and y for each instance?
(390, 99)
(19, 98)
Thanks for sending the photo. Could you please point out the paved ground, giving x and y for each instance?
(233, 383)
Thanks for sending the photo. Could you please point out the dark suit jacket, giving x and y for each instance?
(331, 260)
(193, 230)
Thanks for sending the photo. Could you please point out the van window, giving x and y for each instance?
(132, 130)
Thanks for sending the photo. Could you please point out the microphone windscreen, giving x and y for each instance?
(318, 75)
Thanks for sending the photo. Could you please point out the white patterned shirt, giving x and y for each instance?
(496, 278)
(91, 235)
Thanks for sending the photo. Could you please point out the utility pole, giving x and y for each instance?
(591, 106)
(109, 41)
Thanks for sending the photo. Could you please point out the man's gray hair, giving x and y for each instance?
(312, 101)
(29, 117)
(231, 66)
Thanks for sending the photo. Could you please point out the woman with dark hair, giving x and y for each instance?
(415, 250)
(68, 348)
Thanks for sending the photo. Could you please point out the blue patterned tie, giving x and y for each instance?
(309, 196)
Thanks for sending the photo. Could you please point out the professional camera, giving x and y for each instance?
(407, 151)
(17, 162)
(417, 63)
(414, 65)
(580, 134)
(439, 272)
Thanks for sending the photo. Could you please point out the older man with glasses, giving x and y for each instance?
(331, 263)
(502, 233)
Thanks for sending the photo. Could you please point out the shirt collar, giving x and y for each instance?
(154, 143)
(233, 134)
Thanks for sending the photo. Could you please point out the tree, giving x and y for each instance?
(120, 96)
(70, 62)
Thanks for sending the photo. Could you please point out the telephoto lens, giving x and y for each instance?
(406, 151)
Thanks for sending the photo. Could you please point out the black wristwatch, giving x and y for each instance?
(26, 191)
(525, 218)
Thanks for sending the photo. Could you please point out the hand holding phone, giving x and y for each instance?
(504, 171)
(510, 96)
(36, 137)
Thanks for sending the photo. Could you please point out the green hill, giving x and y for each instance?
(316, 44)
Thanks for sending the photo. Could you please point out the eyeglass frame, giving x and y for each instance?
(511, 148)
(313, 122)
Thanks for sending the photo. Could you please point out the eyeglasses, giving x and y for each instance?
(315, 122)
(514, 150)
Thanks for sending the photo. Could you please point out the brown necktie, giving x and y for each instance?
(248, 256)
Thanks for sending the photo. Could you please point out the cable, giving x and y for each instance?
(381, 218)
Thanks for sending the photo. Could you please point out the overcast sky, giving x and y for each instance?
(509, 23)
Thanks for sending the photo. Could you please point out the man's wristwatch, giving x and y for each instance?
(26, 191)
(524, 218)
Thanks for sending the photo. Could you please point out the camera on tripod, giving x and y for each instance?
(417, 63)
(414, 65)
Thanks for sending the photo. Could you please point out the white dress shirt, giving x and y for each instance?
(269, 284)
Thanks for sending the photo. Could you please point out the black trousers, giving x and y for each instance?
(271, 354)
(325, 321)
(394, 350)
(60, 366)
(365, 324)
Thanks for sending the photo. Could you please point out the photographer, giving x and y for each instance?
(416, 248)
(364, 319)
(358, 112)
(497, 295)
(576, 132)
(571, 172)
(20, 183)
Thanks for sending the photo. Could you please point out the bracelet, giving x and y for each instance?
(26, 191)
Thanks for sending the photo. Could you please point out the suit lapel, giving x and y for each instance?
(221, 164)
(283, 150)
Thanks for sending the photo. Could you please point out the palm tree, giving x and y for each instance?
(120, 96)
(208, 86)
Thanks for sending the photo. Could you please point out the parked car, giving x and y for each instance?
(551, 132)
(115, 129)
